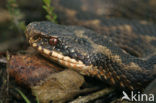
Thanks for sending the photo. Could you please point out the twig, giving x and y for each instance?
(92, 96)
(86, 90)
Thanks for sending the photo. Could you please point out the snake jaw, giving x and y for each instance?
(58, 57)
(65, 61)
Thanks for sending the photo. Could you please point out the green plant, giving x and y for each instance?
(37, 100)
(23, 96)
(51, 16)
(16, 15)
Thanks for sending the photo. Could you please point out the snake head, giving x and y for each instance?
(60, 44)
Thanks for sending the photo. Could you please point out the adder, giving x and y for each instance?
(90, 54)
(118, 51)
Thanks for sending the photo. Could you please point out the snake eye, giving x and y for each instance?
(53, 41)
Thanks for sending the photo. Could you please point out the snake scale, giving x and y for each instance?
(116, 50)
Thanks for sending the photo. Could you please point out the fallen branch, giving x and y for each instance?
(92, 96)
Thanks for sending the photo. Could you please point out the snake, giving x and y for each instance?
(92, 54)
(120, 51)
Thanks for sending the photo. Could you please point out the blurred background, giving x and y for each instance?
(16, 14)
